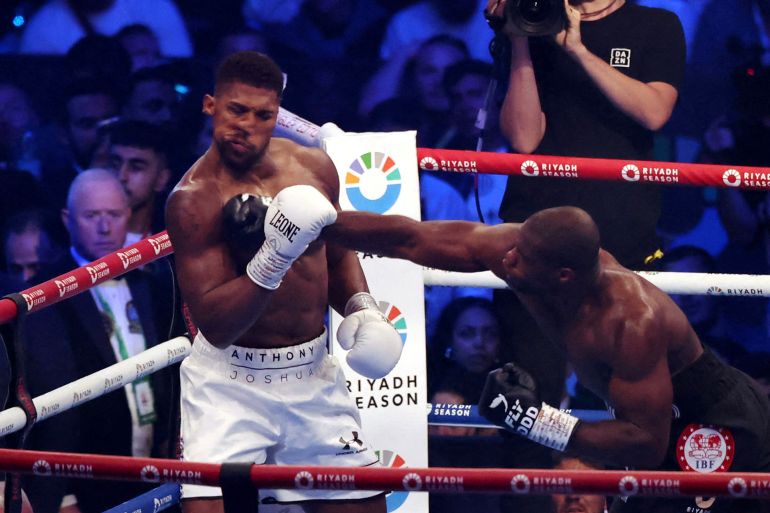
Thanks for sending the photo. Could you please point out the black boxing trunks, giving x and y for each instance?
(721, 423)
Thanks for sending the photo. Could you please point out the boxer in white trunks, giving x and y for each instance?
(259, 385)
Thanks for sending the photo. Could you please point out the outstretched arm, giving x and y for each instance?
(451, 245)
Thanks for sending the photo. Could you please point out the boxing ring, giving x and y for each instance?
(169, 473)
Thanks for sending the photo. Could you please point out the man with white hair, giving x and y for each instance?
(110, 322)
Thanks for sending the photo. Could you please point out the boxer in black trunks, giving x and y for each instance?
(626, 339)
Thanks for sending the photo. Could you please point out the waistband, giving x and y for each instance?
(263, 359)
(704, 382)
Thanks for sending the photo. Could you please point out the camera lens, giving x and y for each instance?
(536, 17)
(535, 11)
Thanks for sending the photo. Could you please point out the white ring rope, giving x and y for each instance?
(97, 384)
(756, 285)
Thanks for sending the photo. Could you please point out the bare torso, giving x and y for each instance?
(594, 339)
(295, 311)
(622, 316)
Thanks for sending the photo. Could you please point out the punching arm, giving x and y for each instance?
(451, 245)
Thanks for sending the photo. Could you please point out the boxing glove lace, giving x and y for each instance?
(293, 220)
(510, 400)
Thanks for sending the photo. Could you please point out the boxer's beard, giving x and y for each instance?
(241, 164)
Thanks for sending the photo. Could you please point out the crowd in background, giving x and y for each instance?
(117, 85)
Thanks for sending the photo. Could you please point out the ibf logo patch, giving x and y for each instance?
(704, 448)
(620, 58)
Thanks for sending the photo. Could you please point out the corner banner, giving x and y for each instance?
(378, 173)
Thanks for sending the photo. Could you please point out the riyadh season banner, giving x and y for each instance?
(378, 173)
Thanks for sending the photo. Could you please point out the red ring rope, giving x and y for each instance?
(81, 279)
(577, 168)
(444, 480)
(159, 245)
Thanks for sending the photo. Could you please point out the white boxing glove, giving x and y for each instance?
(293, 220)
(374, 346)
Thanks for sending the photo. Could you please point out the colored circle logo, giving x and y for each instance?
(737, 487)
(393, 500)
(395, 317)
(530, 168)
(520, 484)
(628, 486)
(41, 468)
(630, 173)
(704, 448)
(150, 474)
(429, 164)
(731, 178)
(373, 182)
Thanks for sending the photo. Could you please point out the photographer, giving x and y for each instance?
(596, 84)
(598, 88)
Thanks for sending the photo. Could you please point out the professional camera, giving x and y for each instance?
(536, 17)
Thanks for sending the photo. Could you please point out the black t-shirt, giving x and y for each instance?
(644, 43)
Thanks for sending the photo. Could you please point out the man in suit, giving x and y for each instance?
(110, 322)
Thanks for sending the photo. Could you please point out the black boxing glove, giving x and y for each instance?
(243, 221)
(510, 400)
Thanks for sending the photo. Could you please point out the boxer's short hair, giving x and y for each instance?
(251, 68)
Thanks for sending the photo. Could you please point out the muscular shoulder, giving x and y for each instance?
(312, 165)
(640, 327)
(192, 212)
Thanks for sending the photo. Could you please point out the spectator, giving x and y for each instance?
(137, 154)
(465, 347)
(574, 502)
(141, 44)
(151, 96)
(467, 84)
(417, 78)
(116, 320)
(19, 190)
(30, 242)
(70, 147)
(100, 57)
(259, 13)
(18, 118)
(332, 48)
(729, 38)
(427, 18)
(591, 118)
(239, 40)
(60, 23)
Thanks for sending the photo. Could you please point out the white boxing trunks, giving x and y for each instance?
(284, 406)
